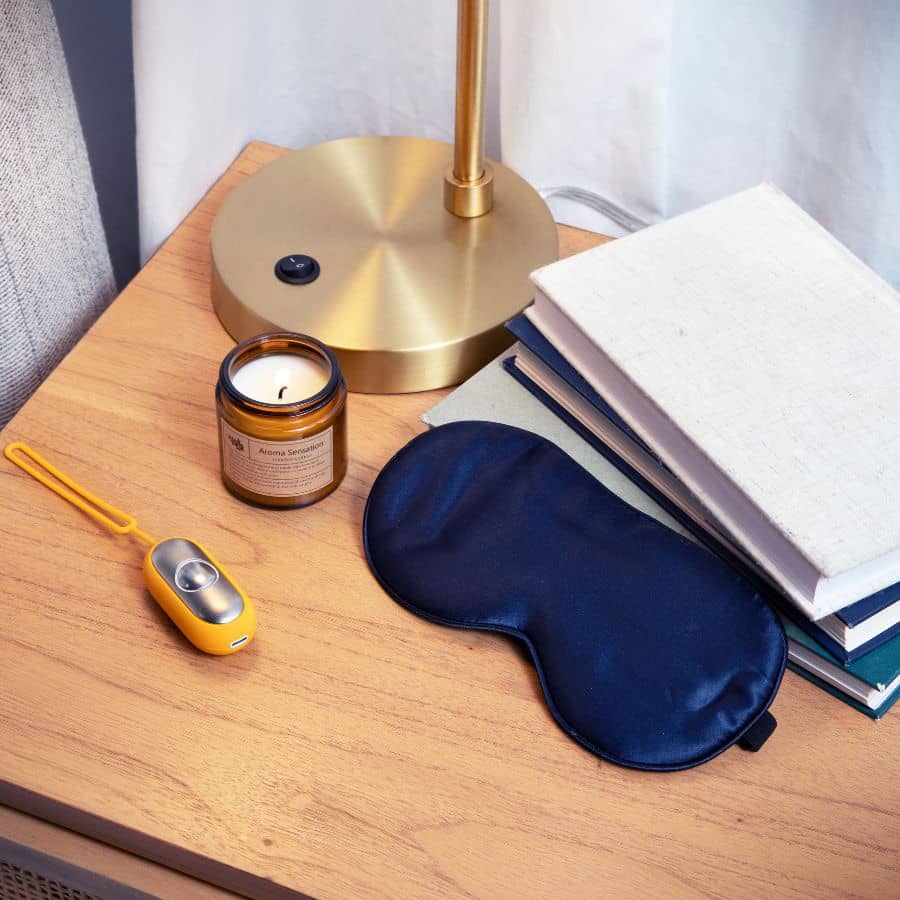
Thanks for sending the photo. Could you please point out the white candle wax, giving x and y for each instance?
(280, 378)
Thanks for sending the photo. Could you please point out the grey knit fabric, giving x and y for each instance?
(55, 273)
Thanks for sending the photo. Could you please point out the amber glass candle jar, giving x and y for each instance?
(282, 414)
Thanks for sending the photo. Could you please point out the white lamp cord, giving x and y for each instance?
(612, 211)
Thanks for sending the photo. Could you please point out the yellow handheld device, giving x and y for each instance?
(185, 579)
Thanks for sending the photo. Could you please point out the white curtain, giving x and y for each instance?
(657, 105)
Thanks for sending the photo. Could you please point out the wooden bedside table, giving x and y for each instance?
(354, 749)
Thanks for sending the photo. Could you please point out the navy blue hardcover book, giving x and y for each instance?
(864, 609)
(848, 657)
(530, 336)
(522, 327)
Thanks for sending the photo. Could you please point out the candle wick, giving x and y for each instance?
(281, 392)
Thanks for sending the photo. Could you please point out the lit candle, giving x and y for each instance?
(282, 410)
(280, 378)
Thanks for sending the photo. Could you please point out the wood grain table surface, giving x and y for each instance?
(354, 749)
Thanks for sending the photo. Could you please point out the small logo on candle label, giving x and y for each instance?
(236, 442)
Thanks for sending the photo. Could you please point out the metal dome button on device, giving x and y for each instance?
(195, 574)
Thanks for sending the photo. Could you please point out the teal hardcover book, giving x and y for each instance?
(870, 685)
(835, 692)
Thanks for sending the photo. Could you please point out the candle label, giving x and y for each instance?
(278, 468)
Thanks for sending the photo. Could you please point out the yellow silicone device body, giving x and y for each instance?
(218, 638)
(184, 578)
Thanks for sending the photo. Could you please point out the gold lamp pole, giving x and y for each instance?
(349, 241)
(469, 183)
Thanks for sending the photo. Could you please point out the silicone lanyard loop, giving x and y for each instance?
(60, 483)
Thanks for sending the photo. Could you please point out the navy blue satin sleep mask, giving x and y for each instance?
(651, 652)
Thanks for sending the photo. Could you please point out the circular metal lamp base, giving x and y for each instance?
(409, 296)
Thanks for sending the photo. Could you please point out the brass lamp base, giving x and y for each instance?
(409, 296)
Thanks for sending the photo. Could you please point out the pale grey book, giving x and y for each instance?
(760, 360)
(492, 395)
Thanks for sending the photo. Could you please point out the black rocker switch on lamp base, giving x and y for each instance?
(298, 268)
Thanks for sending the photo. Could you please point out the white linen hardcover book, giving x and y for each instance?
(761, 361)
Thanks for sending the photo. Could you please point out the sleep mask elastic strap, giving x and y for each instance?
(759, 732)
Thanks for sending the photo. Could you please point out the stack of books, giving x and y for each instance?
(743, 368)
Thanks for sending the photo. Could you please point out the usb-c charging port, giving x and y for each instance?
(239, 641)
